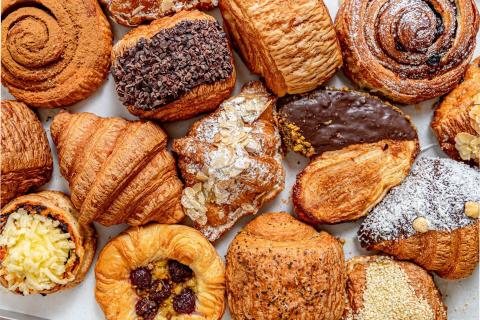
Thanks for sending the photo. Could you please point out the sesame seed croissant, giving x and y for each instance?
(119, 171)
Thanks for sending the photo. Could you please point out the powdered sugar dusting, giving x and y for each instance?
(436, 189)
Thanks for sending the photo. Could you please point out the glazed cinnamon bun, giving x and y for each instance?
(407, 50)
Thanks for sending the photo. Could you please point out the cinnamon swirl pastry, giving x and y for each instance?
(407, 50)
(54, 53)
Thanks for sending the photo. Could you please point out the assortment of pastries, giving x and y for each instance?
(176, 64)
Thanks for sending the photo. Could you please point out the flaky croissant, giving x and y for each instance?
(119, 171)
(26, 159)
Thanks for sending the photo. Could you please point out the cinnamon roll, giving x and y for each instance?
(54, 53)
(407, 50)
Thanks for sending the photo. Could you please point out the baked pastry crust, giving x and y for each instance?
(231, 161)
(119, 171)
(203, 98)
(55, 53)
(134, 12)
(139, 246)
(407, 52)
(58, 206)
(291, 44)
(456, 115)
(281, 268)
(414, 295)
(26, 161)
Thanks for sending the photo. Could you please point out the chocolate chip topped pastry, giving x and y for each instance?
(175, 68)
(456, 121)
(281, 268)
(292, 44)
(380, 288)
(134, 12)
(54, 53)
(118, 171)
(407, 50)
(26, 159)
(360, 147)
(160, 272)
(431, 218)
(231, 161)
(43, 248)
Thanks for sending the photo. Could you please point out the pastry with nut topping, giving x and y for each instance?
(281, 268)
(380, 288)
(43, 248)
(431, 219)
(456, 121)
(231, 161)
(160, 272)
(360, 147)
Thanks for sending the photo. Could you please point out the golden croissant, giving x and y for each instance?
(432, 219)
(119, 171)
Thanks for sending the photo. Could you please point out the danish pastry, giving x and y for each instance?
(292, 44)
(160, 272)
(456, 121)
(175, 68)
(380, 288)
(26, 158)
(43, 248)
(407, 51)
(134, 12)
(364, 145)
(54, 53)
(119, 171)
(280, 268)
(431, 218)
(231, 161)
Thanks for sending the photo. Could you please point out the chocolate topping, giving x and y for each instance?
(160, 70)
(334, 119)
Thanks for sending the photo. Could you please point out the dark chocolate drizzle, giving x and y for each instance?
(334, 119)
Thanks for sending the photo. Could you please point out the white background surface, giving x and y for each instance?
(78, 303)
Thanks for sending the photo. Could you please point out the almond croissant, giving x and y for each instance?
(119, 171)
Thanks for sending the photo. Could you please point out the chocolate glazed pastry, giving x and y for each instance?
(456, 121)
(360, 148)
(54, 53)
(26, 159)
(134, 12)
(174, 68)
(407, 50)
(431, 218)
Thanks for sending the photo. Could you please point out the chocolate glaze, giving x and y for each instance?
(334, 119)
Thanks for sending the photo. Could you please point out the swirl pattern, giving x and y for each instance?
(54, 53)
(407, 50)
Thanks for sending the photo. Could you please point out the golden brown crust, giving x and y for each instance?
(420, 282)
(201, 99)
(26, 160)
(141, 245)
(343, 185)
(452, 115)
(452, 255)
(55, 53)
(291, 44)
(399, 50)
(119, 171)
(59, 206)
(281, 268)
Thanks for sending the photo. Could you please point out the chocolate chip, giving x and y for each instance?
(178, 271)
(160, 290)
(160, 70)
(146, 307)
(141, 278)
(185, 301)
(434, 60)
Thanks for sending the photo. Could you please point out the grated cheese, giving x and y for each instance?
(36, 252)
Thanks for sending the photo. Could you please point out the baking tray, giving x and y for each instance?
(79, 303)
